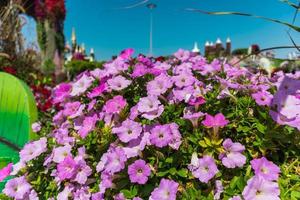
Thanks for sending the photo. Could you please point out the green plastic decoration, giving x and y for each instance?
(17, 112)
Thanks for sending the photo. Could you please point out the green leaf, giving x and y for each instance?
(203, 144)
(169, 160)
(182, 172)
(173, 171)
(17, 113)
(261, 128)
(295, 195)
(160, 174)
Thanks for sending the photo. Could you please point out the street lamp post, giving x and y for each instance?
(151, 6)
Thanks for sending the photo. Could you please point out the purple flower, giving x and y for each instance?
(150, 107)
(115, 105)
(139, 70)
(259, 188)
(113, 161)
(17, 188)
(83, 172)
(266, 169)
(183, 68)
(166, 190)
(161, 135)
(97, 91)
(36, 127)
(118, 83)
(61, 92)
(232, 157)
(262, 98)
(135, 147)
(204, 168)
(182, 55)
(129, 130)
(133, 112)
(183, 80)
(73, 109)
(218, 190)
(119, 196)
(67, 168)
(176, 136)
(148, 104)
(139, 172)
(33, 150)
(163, 66)
(60, 153)
(127, 53)
(193, 116)
(81, 85)
(82, 193)
(154, 114)
(215, 121)
(183, 93)
(213, 67)
(5, 172)
(159, 85)
(88, 125)
(65, 194)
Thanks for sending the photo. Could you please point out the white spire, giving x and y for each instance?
(211, 44)
(228, 40)
(196, 49)
(218, 41)
(73, 38)
(207, 43)
(92, 51)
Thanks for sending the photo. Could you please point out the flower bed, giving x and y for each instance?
(166, 129)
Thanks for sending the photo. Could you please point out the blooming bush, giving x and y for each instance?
(180, 128)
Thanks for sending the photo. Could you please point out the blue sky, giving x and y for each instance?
(99, 24)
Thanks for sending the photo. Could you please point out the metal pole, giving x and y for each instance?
(151, 34)
(151, 6)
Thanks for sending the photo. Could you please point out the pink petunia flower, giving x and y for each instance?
(73, 109)
(118, 83)
(115, 105)
(233, 156)
(5, 172)
(259, 188)
(266, 169)
(215, 121)
(81, 85)
(129, 130)
(17, 188)
(67, 169)
(161, 135)
(166, 190)
(262, 98)
(204, 168)
(139, 171)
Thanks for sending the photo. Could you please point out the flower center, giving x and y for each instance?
(264, 170)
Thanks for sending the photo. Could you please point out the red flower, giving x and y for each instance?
(9, 70)
(56, 8)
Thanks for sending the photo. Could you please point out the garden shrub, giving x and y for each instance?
(183, 128)
(75, 67)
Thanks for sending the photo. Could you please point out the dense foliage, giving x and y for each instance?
(76, 67)
(182, 128)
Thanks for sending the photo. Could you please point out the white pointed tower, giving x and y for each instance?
(196, 48)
